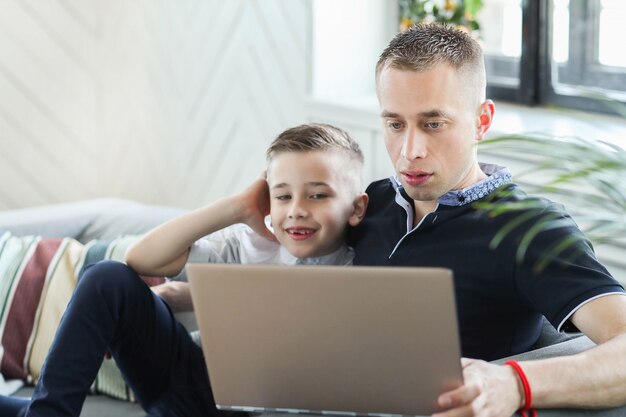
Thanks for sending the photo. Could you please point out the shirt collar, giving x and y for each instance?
(341, 256)
(496, 177)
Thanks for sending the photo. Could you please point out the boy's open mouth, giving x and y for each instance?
(300, 233)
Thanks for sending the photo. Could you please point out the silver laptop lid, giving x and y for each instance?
(327, 339)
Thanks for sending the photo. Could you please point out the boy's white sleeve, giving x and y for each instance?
(219, 247)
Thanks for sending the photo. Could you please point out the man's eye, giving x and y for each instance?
(395, 125)
(434, 125)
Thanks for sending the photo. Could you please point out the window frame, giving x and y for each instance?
(587, 79)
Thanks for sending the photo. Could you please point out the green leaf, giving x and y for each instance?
(586, 174)
(473, 6)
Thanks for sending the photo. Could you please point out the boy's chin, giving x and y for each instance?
(309, 252)
(300, 253)
(308, 249)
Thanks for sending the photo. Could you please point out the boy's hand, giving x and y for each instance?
(256, 205)
(176, 294)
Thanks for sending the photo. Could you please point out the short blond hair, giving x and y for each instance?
(323, 137)
(424, 46)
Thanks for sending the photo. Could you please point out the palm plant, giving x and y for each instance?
(587, 175)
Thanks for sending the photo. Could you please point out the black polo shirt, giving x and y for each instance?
(500, 299)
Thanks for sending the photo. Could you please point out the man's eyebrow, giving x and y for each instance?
(426, 114)
(433, 113)
(387, 114)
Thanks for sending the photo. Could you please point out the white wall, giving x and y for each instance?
(348, 36)
(158, 101)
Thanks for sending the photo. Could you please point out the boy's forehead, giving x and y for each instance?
(313, 166)
(331, 160)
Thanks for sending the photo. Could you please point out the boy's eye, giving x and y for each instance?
(283, 197)
(319, 196)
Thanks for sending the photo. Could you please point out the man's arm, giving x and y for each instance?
(591, 379)
(596, 377)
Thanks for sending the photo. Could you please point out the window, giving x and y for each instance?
(564, 52)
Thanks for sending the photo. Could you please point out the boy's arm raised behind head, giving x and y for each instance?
(165, 249)
(256, 205)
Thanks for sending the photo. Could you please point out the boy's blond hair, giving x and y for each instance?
(313, 137)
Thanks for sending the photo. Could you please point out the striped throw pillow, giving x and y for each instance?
(37, 278)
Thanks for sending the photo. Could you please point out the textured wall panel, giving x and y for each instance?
(158, 101)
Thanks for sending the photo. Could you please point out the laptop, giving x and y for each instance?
(357, 341)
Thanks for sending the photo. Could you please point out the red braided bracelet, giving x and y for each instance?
(527, 394)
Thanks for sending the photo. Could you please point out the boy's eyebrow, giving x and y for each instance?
(317, 183)
(311, 183)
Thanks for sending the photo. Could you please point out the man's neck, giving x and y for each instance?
(421, 209)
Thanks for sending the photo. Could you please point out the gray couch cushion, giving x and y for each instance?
(100, 406)
(104, 218)
(129, 219)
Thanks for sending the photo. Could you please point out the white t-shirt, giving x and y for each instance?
(238, 244)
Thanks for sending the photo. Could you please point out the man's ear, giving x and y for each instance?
(359, 205)
(485, 117)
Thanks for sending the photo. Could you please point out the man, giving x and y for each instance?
(431, 90)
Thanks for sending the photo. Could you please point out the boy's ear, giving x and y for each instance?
(358, 209)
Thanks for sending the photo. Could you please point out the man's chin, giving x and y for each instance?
(420, 193)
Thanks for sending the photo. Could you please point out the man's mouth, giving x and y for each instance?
(415, 178)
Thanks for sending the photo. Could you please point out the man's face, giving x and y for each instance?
(311, 201)
(431, 123)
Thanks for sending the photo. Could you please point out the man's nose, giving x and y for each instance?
(414, 145)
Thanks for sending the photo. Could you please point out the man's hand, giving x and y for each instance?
(176, 294)
(489, 391)
(256, 205)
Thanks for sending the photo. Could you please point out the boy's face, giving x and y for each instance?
(312, 201)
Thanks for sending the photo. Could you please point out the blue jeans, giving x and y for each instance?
(113, 309)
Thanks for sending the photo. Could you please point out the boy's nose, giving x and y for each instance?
(297, 211)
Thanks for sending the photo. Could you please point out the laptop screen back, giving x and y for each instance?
(356, 340)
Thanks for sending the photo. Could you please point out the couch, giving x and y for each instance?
(107, 219)
(98, 220)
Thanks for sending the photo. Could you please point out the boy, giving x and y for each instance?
(314, 178)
